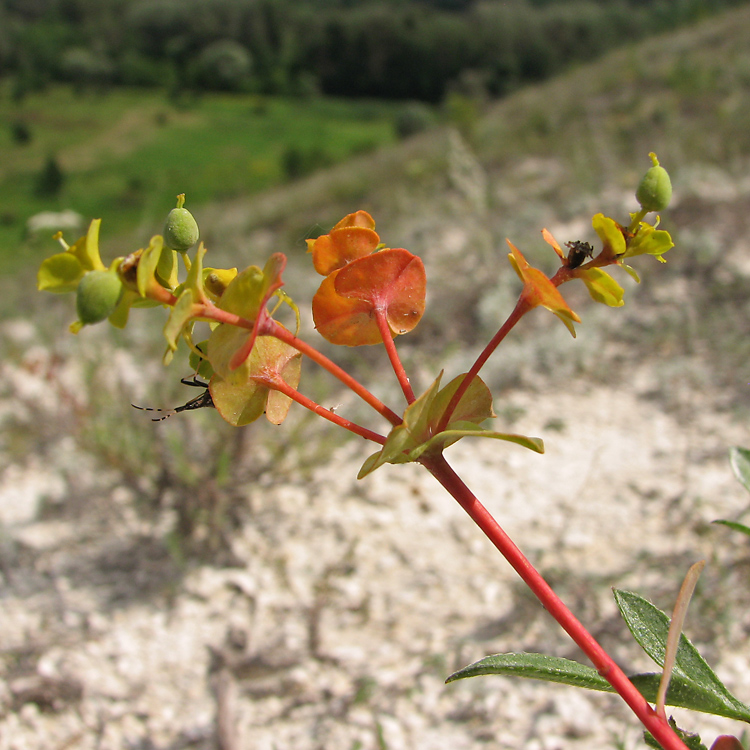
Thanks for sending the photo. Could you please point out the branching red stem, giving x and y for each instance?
(521, 308)
(269, 327)
(272, 328)
(604, 663)
(284, 387)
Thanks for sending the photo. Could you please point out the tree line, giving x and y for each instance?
(396, 49)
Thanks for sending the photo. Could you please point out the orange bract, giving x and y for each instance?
(353, 237)
(333, 251)
(539, 290)
(390, 282)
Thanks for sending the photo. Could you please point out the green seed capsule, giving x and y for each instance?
(97, 296)
(655, 189)
(181, 230)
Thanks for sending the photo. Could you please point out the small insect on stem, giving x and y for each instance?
(199, 402)
(579, 251)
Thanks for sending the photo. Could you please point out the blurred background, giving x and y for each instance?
(185, 585)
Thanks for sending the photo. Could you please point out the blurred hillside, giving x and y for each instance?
(418, 49)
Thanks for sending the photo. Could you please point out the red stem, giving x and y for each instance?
(269, 327)
(390, 348)
(521, 308)
(284, 387)
(272, 328)
(604, 663)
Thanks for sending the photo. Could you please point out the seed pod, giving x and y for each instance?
(181, 229)
(655, 189)
(97, 296)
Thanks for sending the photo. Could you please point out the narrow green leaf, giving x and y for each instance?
(538, 667)
(734, 525)
(650, 626)
(739, 458)
(180, 314)
(683, 693)
(148, 263)
(444, 439)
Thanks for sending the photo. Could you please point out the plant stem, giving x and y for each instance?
(604, 663)
(269, 327)
(274, 329)
(521, 308)
(390, 348)
(281, 385)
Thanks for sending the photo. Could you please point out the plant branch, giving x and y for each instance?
(281, 385)
(390, 348)
(269, 327)
(272, 328)
(521, 308)
(604, 663)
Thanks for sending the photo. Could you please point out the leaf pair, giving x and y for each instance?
(694, 684)
(364, 283)
(417, 437)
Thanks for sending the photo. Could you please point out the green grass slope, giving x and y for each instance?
(124, 154)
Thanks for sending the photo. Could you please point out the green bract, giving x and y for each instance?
(97, 296)
(180, 230)
(655, 189)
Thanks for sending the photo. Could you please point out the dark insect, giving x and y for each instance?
(199, 402)
(579, 251)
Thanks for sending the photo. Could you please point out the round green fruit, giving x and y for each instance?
(655, 189)
(97, 296)
(181, 230)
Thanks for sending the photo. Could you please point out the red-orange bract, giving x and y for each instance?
(365, 284)
(539, 290)
(353, 237)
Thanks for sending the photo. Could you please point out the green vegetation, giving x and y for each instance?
(390, 49)
(122, 154)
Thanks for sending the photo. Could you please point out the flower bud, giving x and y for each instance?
(181, 229)
(97, 296)
(655, 189)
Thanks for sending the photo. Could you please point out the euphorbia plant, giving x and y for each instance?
(370, 295)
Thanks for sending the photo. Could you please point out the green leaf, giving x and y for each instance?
(179, 316)
(223, 343)
(739, 459)
(474, 406)
(650, 626)
(630, 271)
(610, 234)
(683, 693)
(538, 667)
(417, 436)
(245, 393)
(438, 443)
(147, 264)
(649, 240)
(167, 268)
(734, 525)
(602, 287)
(60, 273)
